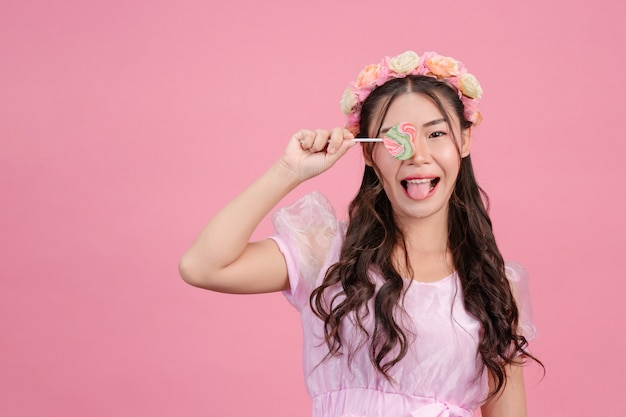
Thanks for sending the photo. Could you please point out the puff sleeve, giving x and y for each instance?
(309, 237)
(518, 279)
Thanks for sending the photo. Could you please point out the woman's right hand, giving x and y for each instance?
(311, 152)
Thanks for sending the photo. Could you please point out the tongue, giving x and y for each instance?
(418, 191)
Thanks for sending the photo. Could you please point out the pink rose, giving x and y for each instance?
(421, 70)
(471, 111)
(361, 94)
(454, 82)
(352, 124)
(384, 73)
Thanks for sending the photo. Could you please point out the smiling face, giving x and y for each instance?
(420, 187)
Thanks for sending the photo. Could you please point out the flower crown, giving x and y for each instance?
(430, 64)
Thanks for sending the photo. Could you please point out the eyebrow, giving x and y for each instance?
(434, 122)
(427, 124)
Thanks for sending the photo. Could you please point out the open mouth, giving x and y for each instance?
(419, 189)
(432, 182)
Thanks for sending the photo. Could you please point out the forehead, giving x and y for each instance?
(414, 108)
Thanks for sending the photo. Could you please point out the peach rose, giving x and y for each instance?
(470, 87)
(443, 66)
(476, 118)
(404, 63)
(367, 78)
(348, 101)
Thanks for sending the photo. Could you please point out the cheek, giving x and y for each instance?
(383, 160)
(380, 163)
(447, 155)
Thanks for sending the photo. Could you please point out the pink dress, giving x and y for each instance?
(441, 374)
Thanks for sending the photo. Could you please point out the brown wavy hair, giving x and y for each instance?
(372, 237)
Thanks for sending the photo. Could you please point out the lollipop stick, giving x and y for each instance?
(358, 140)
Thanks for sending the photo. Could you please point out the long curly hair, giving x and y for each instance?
(373, 236)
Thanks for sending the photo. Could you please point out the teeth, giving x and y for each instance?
(418, 181)
(433, 182)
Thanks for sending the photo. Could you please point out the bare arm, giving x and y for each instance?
(511, 402)
(222, 258)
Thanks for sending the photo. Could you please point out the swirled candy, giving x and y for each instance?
(399, 140)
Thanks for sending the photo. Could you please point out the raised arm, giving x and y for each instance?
(222, 258)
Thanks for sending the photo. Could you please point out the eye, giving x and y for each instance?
(437, 134)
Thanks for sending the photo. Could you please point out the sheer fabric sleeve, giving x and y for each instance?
(518, 279)
(305, 233)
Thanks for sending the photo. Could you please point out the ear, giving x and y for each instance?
(466, 142)
(366, 149)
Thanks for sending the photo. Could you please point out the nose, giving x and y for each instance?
(421, 151)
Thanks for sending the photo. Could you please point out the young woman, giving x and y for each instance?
(409, 308)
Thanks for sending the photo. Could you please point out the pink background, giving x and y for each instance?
(114, 116)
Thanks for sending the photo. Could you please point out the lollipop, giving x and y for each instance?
(398, 140)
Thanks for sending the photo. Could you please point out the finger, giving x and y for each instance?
(347, 135)
(343, 148)
(336, 137)
(321, 140)
(306, 138)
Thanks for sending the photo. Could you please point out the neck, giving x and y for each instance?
(427, 246)
(427, 235)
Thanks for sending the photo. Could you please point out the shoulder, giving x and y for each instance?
(310, 237)
(311, 211)
(518, 280)
(515, 272)
(310, 223)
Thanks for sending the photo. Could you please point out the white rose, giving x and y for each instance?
(348, 101)
(470, 87)
(404, 63)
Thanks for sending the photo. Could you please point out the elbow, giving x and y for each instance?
(206, 273)
(192, 273)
